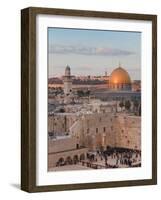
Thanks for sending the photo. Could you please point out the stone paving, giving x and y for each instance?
(70, 167)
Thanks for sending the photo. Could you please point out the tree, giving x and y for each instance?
(140, 110)
(62, 110)
(136, 105)
(80, 93)
(127, 105)
(121, 104)
(88, 92)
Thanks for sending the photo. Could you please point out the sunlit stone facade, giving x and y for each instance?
(100, 130)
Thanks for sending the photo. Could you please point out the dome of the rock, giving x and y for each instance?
(120, 79)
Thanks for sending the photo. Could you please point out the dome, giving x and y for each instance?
(67, 67)
(120, 76)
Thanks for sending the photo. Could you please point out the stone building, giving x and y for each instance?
(60, 123)
(64, 150)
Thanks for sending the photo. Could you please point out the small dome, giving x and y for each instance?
(67, 67)
(120, 76)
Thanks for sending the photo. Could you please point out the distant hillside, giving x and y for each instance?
(54, 81)
(77, 81)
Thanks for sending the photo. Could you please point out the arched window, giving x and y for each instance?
(60, 162)
(75, 159)
(82, 157)
(68, 160)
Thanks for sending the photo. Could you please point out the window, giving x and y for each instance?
(96, 130)
(104, 129)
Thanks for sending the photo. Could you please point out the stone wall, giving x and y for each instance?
(65, 143)
(60, 123)
(53, 158)
(101, 130)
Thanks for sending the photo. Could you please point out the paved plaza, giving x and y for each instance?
(103, 161)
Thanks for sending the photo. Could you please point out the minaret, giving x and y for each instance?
(67, 81)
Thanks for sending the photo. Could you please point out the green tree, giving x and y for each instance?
(136, 105)
(127, 105)
(88, 92)
(80, 93)
(62, 110)
(140, 110)
(121, 104)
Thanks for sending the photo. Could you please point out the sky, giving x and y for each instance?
(92, 52)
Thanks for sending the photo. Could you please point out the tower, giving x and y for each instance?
(67, 81)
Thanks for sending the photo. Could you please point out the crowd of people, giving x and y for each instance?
(116, 157)
(109, 158)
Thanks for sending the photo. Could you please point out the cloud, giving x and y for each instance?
(85, 50)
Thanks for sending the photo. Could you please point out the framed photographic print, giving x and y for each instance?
(88, 99)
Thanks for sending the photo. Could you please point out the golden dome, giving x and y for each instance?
(120, 76)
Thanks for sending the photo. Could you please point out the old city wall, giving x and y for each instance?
(104, 129)
(101, 129)
(63, 144)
